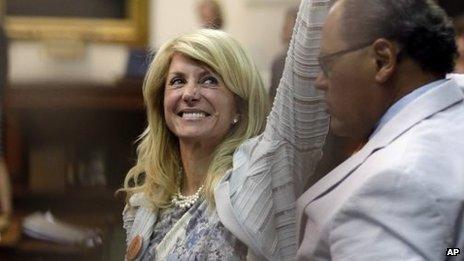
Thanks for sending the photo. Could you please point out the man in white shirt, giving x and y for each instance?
(401, 196)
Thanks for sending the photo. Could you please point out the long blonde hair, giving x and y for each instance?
(158, 163)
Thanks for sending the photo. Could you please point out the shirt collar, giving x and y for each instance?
(403, 102)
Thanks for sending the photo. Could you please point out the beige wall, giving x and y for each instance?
(255, 23)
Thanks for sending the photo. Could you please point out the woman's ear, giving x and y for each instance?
(236, 119)
(386, 59)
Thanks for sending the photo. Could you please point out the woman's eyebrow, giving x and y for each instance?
(176, 73)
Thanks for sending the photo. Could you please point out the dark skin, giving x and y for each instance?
(336, 150)
(364, 83)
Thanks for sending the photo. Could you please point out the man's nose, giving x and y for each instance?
(321, 82)
(191, 92)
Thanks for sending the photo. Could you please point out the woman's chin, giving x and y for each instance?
(192, 136)
(205, 140)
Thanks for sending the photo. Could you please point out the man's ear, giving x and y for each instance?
(386, 60)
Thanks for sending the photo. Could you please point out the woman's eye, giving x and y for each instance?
(210, 80)
(176, 81)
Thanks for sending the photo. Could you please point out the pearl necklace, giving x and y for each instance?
(182, 201)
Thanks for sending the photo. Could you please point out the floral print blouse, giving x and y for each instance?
(194, 233)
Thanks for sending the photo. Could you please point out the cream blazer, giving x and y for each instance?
(401, 197)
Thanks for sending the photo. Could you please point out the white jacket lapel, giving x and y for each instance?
(423, 107)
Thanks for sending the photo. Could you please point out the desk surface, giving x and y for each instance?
(15, 245)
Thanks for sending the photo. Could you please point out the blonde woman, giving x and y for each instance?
(208, 183)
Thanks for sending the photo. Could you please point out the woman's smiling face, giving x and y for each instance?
(198, 107)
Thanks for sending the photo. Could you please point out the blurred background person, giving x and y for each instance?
(210, 14)
(279, 61)
(459, 25)
(5, 191)
(455, 9)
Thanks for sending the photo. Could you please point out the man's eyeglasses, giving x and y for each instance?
(325, 61)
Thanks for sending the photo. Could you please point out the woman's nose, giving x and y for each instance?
(191, 92)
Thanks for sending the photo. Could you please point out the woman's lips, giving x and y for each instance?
(193, 115)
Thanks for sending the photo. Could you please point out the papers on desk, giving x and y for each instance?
(44, 226)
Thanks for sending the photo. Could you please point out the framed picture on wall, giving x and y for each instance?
(114, 21)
